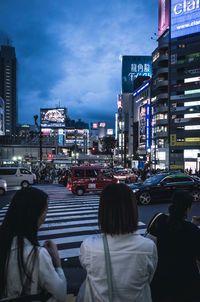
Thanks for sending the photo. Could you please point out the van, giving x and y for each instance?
(17, 176)
(89, 179)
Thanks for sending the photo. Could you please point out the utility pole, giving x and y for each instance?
(40, 137)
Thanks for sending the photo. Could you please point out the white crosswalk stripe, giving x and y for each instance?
(70, 219)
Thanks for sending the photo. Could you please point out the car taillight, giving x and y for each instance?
(69, 187)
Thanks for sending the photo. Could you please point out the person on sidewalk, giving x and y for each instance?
(177, 278)
(25, 267)
(133, 257)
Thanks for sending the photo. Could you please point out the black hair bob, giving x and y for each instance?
(118, 212)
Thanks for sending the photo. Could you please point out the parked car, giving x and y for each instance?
(88, 179)
(161, 187)
(17, 176)
(3, 186)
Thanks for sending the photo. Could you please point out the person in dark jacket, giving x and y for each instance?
(177, 277)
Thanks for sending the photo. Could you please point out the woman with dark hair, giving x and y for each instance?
(25, 267)
(178, 241)
(133, 258)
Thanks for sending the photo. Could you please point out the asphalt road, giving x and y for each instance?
(70, 219)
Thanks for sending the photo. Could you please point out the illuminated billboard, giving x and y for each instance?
(53, 118)
(132, 67)
(102, 124)
(185, 17)
(163, 23)
(94, 126)
(110, 132)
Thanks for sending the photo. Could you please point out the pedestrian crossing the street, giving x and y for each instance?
(70, 219)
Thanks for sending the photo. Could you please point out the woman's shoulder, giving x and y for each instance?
(92, 240)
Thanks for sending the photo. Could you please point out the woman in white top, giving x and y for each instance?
(25, 267)
(133, 257)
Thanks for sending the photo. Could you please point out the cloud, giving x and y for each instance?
(68, 51)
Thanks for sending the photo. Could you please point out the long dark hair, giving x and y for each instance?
(21, 221)
(118, 212)
(181, 201)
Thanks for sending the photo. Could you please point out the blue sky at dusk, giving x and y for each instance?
(68, 51)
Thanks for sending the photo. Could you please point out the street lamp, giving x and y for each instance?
(40, 137)
(75, 133)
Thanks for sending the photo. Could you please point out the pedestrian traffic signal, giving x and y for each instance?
(50, 156)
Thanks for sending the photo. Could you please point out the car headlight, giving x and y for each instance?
(135, 190)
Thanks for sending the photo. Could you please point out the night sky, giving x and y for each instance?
(68, 51)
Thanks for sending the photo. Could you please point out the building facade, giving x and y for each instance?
(2, 117)
(160, 104)
(8, 87)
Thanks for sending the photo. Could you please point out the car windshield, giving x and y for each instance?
(154, 180)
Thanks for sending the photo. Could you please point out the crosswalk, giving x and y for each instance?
(70, 219)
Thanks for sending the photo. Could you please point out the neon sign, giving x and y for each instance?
(147, 126)
(141, 89)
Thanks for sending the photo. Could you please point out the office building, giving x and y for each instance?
(8, 87)
(2, 117)
(184, 100)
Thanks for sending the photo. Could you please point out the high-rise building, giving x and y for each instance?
(175, 99)
(184, 76)
(8, 87)
(2, 117)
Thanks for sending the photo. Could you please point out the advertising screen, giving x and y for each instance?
(94, 126)
(102, 124)
(110, 132)
(185, 17)
(132, 67)
(163, 23)
(53, 118)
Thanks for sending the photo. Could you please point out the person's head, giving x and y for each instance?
(26, 212)
(181, 204)
(118, 212)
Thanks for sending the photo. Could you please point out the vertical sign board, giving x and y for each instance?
(60, 137)
(185, 17)
(147, 126)
(132, 67)
(163, 23)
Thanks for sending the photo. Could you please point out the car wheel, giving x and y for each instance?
(25, 184)
(2, 191)
(196, 195)
(79, 191)
(145, 198)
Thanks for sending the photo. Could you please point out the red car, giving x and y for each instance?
(125, 176)
(88, 179)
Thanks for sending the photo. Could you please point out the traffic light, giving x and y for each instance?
(50, 156)
(93, 148)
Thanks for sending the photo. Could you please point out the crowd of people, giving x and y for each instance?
(121, 265)
(50, 175)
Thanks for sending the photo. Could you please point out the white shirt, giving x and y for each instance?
(133, 262)
(44, 276)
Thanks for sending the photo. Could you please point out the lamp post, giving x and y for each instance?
(40, 137)
(75, 134)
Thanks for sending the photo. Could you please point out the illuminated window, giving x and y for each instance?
(193, 127)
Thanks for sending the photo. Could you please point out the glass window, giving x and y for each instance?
(8, 171)
(183, 179)
(24, 171)
(78, 173)
(92, 173)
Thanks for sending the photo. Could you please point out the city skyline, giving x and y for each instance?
(68, 54)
